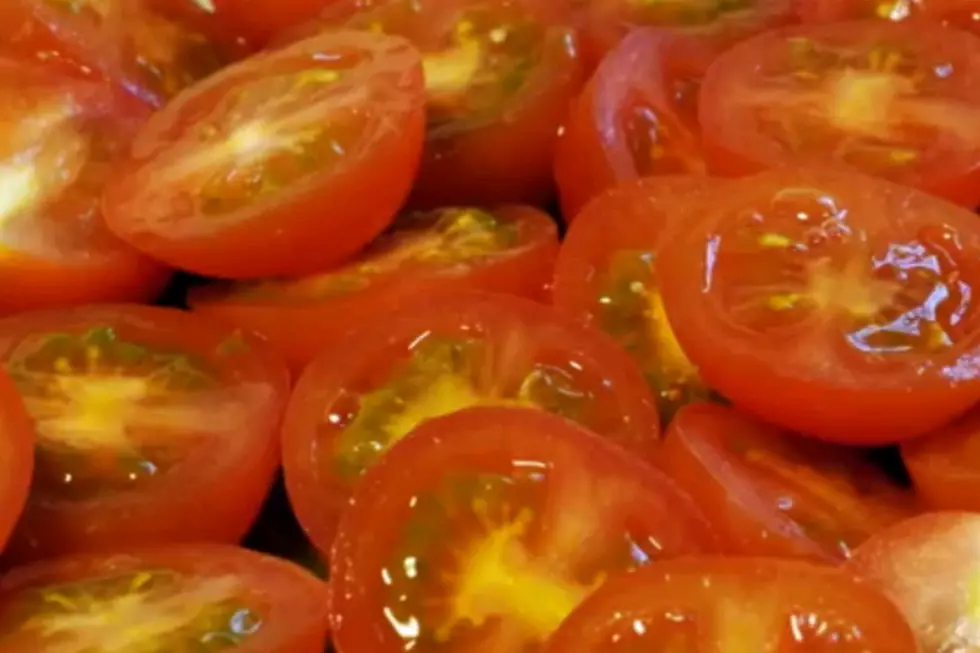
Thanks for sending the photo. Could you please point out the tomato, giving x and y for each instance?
(124, 41)
(945, 464)
(754, 604)
(959, 13)
(181, 598)
(285, 163)
(928, 567)
(606, 276)
(484, 529)
(896, 100)
(257, 21)
(508, 249)
(16, 457)
(829, 303)
(359, 398)
(770, 493)
(152, 426)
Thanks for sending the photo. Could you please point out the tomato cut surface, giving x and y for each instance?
(16, 457)
(152, 426)
(484, 529)
(179, 599)
(285, 163)
(896, 100)
(770, 493)
(958, 13)
(752, 604)
(945, 465)
(362, 396)
(510, 249)
(829, 303)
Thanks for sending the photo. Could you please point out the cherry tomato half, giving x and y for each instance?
(285, 163)
(183, 598)
(16, 457)
(829, 303)
(484, 529)
(710, 605)
(945, 464)
(152, 426)
(356, 400)
(959, 13)
(509, 249)
(896, 100)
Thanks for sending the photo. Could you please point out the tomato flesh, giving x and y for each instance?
(16, 457)
(945, 465)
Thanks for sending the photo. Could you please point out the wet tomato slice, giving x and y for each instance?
(928, 567)
(772, 493)
(257, 21)
(509, 249)
(752, 604)
(636, 117)
(16, 457)
(896, 100)
(945, 464)
(606, 276)
(829, 303)
(152, 426)
(484, 529)
(957, 13)
(356, 400)
(178, 599)
(285, 163)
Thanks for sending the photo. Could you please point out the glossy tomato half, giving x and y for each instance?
(711, 605)
(508, 249)
(829, 303)
(958, 13)
(16, 457)
(896, 100)
(183, 598)
(152, 426)
(484, 529)
(359, 398)
(945, 464)
(285, 163)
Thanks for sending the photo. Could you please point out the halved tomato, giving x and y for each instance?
(258, 21)
(152, 426)
(356, 400)
(945, 464)
(16, 457)
(958, 13)
(755, 604)
(896, 100)
(928, 567)
(636, 117)
(184, 598)
(484, 529)
(59, 141)
(606, 277)
(829, 303)
(510, 249)
(285, 163)
(772, 493)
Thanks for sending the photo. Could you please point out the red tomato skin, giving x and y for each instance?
(964, 14)
(175, 510)
(945, 465)
(16, 456)
(353, 203)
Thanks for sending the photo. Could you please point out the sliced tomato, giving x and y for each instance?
(181, 598)
(152, 426)
(928, 567)
(257, 21)
(755, 604)
(945, 465)
(896, 100)
(16, 457)
(59, 141)
(510, 249)
(484, 529)
(958, 13)
(359, 398)
(770, 493)
(829, 303)
(606, 276)
(285, 163)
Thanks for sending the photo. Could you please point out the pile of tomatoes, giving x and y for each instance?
(732, 409)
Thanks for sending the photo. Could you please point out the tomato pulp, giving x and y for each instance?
(16, 457)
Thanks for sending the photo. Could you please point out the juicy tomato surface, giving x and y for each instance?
(126, 42)
(355, 401)
(896, 100)
(152, 426)
(16, 457)
(179, 599)
(255, 21)
(958, 13)
(510, 249)
(606, 276)
(636, 117)
(928, 567)
(285, 163)
(945, 465)
(484, 529)
(499, 76)
(771, 493)
(59, 140)
(829, 303)
(751, 604)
